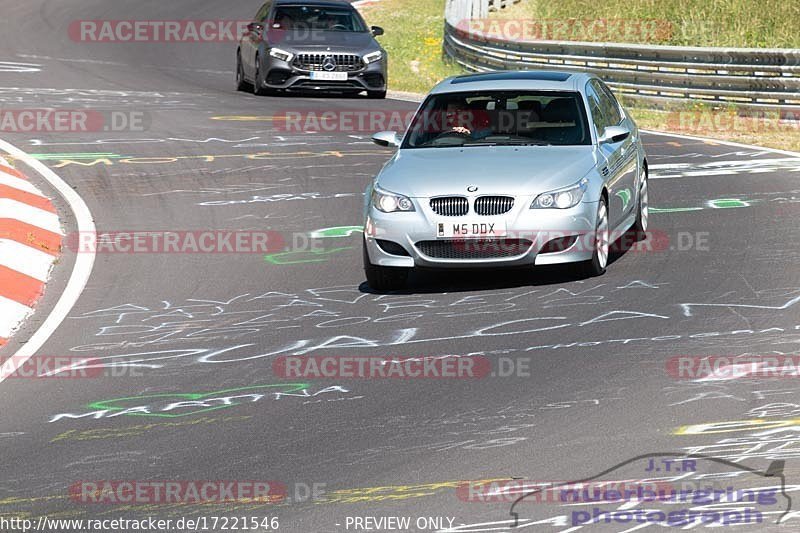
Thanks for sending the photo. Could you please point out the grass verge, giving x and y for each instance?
(413, 39)
(728, 23)
(761, 129)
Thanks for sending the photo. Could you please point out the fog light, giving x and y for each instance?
(558, 245)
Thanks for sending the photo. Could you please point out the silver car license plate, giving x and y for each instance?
(473, 229)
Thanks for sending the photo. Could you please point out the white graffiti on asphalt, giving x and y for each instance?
(217, 330)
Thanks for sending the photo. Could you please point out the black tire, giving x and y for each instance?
(258, 87)
(639, 228)
(596, 266)
(241, 83)
(381, 278)
(376, 95)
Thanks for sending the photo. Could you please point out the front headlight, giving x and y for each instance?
(373, 57)
(283, 55)
(389, 202)
(561, 198)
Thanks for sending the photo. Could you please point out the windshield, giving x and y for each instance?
(498, 118)
(318, 18)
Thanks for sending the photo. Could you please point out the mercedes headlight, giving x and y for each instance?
(373, 57)
(283, 55)
(389, 202)
(561, 198)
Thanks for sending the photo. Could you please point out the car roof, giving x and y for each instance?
(533, 80)
(314, 3)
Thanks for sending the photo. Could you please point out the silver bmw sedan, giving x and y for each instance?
(506, 169)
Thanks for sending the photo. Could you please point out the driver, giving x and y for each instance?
(285, 22)
(472, 122)
(329, 22)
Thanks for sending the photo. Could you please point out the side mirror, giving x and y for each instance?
(386, 138)
(614, 134)
(255, 27)
(377, 30)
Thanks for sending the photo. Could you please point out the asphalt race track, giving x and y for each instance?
(589, 387)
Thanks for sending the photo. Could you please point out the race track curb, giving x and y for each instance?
(30, 243)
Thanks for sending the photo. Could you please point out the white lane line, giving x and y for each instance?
(405, 97)
(726, 143)
(13, 66)
(20, 184)
(30, 215)
(13, 313)
(725, 168)
(25, 259)
(84, 263)
(736, 163)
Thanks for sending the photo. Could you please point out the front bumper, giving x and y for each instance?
(286, 75)
(412, 230)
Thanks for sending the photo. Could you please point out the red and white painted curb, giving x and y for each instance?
(30, 242)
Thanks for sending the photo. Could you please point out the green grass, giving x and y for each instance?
(715, 124)
(413, 40)
(729, 23)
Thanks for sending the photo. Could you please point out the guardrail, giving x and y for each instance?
(494, 5)
(473, 9)
(766, 79)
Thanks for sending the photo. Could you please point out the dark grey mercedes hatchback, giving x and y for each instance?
(316, 45)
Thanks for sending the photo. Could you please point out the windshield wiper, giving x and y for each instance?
(507, 143)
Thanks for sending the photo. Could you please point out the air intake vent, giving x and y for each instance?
(450, 206)
(493, 205)
(467, 249)
(335, 62)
